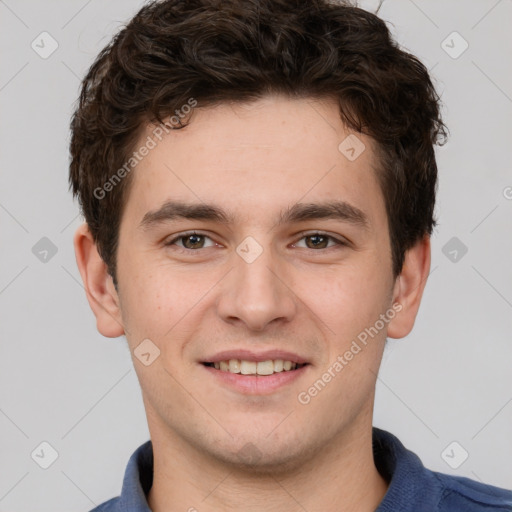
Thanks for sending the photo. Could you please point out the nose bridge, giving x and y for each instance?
(255, 292)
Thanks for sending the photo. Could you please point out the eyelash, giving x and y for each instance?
(339, 243)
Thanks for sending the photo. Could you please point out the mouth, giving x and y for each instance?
(250, 372)
(255, 368)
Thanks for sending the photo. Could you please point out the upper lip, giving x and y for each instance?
(250, 355)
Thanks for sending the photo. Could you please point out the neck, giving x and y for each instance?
(341, 476)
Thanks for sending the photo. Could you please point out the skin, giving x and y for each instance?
(221, 450)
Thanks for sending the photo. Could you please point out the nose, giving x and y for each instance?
(257, 292)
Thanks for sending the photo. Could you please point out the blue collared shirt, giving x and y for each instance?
(412, 487)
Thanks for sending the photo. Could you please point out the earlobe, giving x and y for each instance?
(99, 288)
(409, 287)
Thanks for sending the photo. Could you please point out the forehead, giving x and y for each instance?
(256, 157)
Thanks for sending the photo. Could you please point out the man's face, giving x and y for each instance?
(254, 288)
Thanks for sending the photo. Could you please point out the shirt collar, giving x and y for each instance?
(138, 480)
(409, 481)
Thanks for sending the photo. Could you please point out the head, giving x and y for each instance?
(255, 124)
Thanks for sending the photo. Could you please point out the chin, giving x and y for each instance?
(266, 456)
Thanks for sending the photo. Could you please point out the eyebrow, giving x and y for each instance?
(299, 212)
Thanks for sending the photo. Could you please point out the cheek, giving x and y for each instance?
(348, 300)
(141, 294)
(158, 302)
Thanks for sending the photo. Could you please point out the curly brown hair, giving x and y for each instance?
(240, 50)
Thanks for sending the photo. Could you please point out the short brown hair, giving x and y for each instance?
(241, 50)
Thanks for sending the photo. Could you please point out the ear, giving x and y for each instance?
(409, 286)
(98, 284)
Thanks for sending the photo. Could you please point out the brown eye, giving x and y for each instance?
(190, 241)
(317, 241)
(320, 241)
(193, 241)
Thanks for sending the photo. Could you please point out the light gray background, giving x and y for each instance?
(63, 383)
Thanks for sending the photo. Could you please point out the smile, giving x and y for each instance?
(262, 368)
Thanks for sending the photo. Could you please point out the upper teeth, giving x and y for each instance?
(255, 368)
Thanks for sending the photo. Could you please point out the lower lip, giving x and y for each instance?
(256, 385)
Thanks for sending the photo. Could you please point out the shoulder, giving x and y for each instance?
(464, 494)
(411, 483)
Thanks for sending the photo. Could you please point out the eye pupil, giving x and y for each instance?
(194, 244)
(312, 237)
